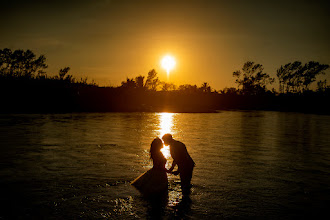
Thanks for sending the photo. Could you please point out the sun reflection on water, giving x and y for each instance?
(165, 126)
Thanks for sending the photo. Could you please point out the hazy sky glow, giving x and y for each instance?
(111, 40)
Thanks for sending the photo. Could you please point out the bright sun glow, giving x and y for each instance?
(166, 123)
(168, 63)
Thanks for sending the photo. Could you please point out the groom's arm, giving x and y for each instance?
(172, 167)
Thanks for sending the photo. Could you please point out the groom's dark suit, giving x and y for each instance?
(185, 163)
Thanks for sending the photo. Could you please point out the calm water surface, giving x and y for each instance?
(266, 165)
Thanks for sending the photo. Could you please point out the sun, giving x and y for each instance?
(168, 63)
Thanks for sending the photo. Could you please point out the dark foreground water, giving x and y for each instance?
(250, 165)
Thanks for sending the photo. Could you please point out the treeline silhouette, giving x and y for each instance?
(26, 88)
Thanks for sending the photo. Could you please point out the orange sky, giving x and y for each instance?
(111, 40)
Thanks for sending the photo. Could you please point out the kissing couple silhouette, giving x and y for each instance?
(154, 181)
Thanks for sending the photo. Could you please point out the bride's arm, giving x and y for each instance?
(172, 167)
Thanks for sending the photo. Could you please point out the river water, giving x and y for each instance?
(249, 164)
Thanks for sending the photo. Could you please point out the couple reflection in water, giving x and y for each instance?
(154, 183)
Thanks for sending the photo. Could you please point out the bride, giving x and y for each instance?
(153, 181)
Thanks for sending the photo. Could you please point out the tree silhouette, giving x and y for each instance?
(152, 81)
(231, 91)
(167, 86)
(312, 69)
(322, 85)
(295, 77)
(139, 82)
(252, 79)
(63, 72)
(63, 75)
(288, 76)
(205, 87)
(20, 63)
(128, 84)
(188, 88)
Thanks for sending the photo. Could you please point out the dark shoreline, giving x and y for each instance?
(219, 110)
(50, 96)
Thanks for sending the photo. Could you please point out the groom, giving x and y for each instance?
(181, 158)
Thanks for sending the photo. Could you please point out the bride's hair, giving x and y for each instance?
(155, 147)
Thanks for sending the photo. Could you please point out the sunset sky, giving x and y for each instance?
(111, 40)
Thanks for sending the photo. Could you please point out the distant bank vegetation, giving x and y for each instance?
(26, 87)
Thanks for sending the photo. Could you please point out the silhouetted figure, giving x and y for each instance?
(154, 181)
(181, 158)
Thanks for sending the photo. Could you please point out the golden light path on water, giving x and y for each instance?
(165, 126)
